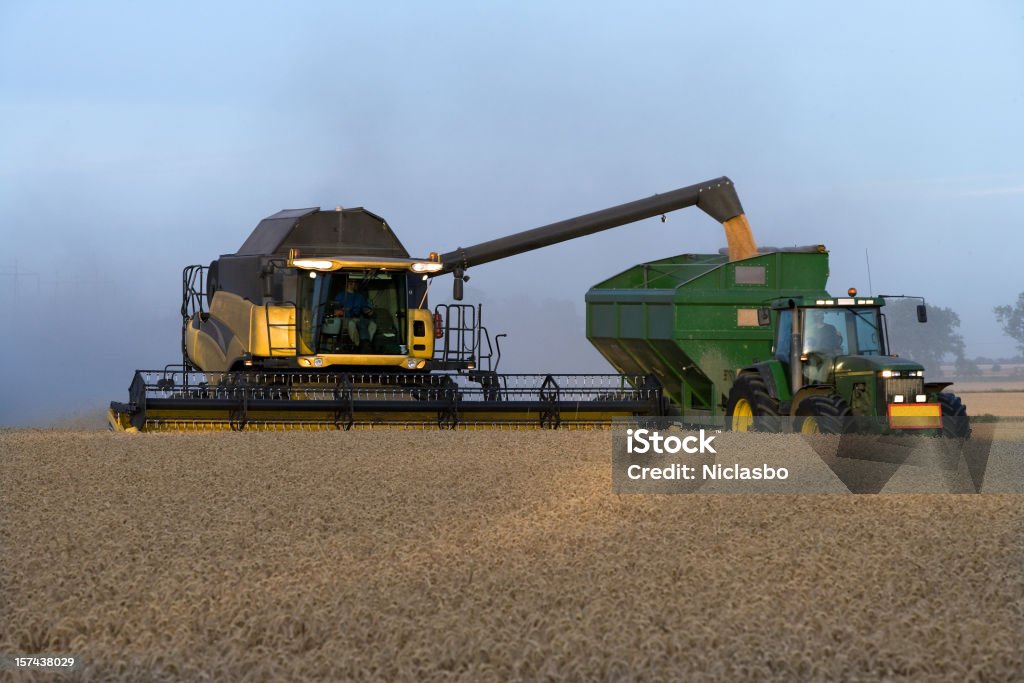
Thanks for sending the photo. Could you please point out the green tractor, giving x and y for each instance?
(831, 370)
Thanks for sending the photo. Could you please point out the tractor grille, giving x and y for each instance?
(909, 387)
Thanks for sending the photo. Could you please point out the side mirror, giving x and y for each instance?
(764, 317)
(922, 313)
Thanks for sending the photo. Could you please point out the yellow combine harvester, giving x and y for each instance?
(321, 320)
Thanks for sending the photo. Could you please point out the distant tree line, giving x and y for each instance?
(1011, 318)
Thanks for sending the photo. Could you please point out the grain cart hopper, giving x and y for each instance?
(269, 339)
(760, 339)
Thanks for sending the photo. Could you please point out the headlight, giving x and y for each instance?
(890, 373)
(898, 398)
(313, 263)
(426, 267)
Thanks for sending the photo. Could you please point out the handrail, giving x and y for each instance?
(193, 294)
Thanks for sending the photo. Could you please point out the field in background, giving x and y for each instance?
(481, 556)
(1001, 386)
(1002, 404)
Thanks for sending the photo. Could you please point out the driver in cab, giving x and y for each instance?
(823, 343)
(355, 308)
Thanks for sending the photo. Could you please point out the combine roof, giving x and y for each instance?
(331, 233)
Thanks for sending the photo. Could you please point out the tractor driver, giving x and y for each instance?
(355, 308)
(821, 345)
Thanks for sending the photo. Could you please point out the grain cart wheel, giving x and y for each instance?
(955, 424)
(823, 414)
(749, 399)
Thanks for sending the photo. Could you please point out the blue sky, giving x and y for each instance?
(136, 138)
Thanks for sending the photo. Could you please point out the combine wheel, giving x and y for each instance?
(823, 414)
(955, 423)
(749, 399)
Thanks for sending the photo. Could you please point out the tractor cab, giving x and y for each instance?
(835, 356)
(828, 334)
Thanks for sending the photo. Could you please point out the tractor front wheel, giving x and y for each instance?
(955, 423)
(823, 414)
(750, 407)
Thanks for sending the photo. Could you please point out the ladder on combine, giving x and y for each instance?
(288, 330)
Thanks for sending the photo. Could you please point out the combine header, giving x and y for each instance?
(177, 400)
(321, 320)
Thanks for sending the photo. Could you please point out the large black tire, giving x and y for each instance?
(955, 423)
(824, 414)
(749, 398)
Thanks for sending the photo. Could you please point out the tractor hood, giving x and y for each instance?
(852, 364)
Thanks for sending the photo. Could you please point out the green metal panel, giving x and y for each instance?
(679, 318)
(601, 320)
(631, 321)
(781, 380)
(660, 320)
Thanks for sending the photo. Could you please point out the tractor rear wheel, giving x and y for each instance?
(955, 423)
(823, 414)
(750, 407)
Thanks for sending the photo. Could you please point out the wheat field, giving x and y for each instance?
(451, 556)
(999, 403)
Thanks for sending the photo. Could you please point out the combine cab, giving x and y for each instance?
(311, 289)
